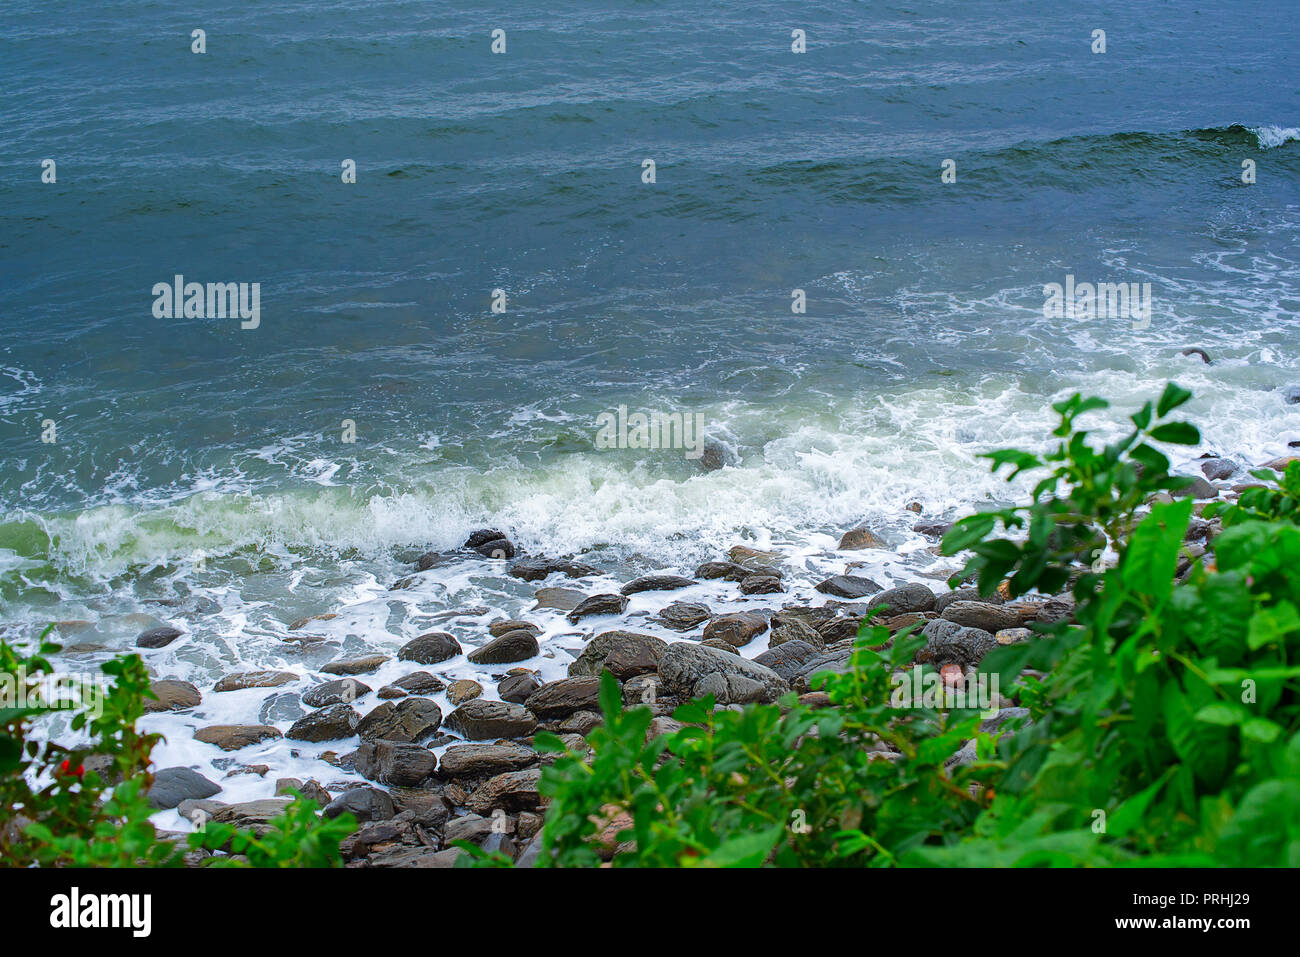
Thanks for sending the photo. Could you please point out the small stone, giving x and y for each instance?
(232, 737)
(1012, 636)
(328, 724)
(355, 666)
(848, 586)
(254, 679)
(536, 569)
(604, 604)
(173, 785)
(157, 637)
(172, 695)
(736, 629)
(517, 688)
(860, 537)
(683, 616)
(366, 804)
(339, 691)
(499, 628)
(304, 622)
(561, 599)
(458, 692)
(752, 557)
(483, 720)
(656, 583)
(430, 649)
(410, 720)
(761, 585)
(517, 645)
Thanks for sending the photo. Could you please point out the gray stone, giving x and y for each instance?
(536, 569)
(787, 658)
(366, 804)
(904, 599)
(684, 663)
(172, 695)
(982, 615)
(511, 791)
(736, 629)
(558, 699)
(562, 599)
(429, 649)
(624, 653)
(355, 666)
(517, 645)
(848, 586)
(254, 679)
(683, 615)
(339, 691)
(484, 760)
(330, 723)
(656, 583)
(951, 643)
(159, 637)
(604, 604)
(410, 720)
(394, 762)
(483, 720)
(517, 687)
(173, 785)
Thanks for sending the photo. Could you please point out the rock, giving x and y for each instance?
(366, 804)
(558, 699)
(458, 692)
(942, 602)
(198, 811)
(683, 616)
(304, 622)
(624, 653)
(516, 688)
(831, 659)
(562, 599)
(994, 724)
(429, 649)
(1198, 489)
(684, 664)
(656, 583)
(1199, 353)
(785, 630)
(420, 682)
(730, 571)
(254, 815)
(932, 529)
(355, 666)
(1056, 609)
(430, 560)
(982, 615)
(536, 569)
(904, 599)
(172, 695)
(1280, 464)
(328, 724)
(581, 722)
(716, 456)
(339, 691)
(1217, 470)
(949, 642)
(232, 737)
(501, 548)
(394, 762)
(860, 537)
(484, 760)
(499, 628)
(517, 645)
(483, 720)
(311, 790)
(409, 720)
(171, 786)
(159, 637)
(761, 585)
(848, 586)
(511, 790)
(753, 558)
(468, 827)
(1012, 636)
(787, 658)
(605, 604)
(736, 629)
(254, 679)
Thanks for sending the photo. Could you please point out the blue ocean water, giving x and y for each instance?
(199, 470)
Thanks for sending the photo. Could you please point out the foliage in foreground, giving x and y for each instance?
(56, 812)
(1163, 733)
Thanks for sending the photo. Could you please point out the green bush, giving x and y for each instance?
(1164, 733)
(55, 812)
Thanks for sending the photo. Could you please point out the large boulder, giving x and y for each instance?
(736, 629)
(605, 604)
(683, 615)
(848, 586)
(656, 583)
(904, 599)
(254, 679)
(559, 699)
(172, 695)
(685, 665)
(159, 637)
(982, 615)
(623, 653)
(328, 724)
(429, 649)
(947, 642)
(517, 645)
(787, 658)
(410, 720)
(483, 760)
(394, 762)
(483, 720)
(536, 569)
(232, 737)
(171, 786)
(512, 791)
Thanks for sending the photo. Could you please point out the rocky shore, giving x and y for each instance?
(420, 775)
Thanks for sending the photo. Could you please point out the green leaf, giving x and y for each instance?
(1268, 625)
(1173, 396)
(745, 850)
(1178, 433)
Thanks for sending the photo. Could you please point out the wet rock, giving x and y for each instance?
(481, 536)
(254, 815)
(355, 666)
(517, 645)
(605, 604)
(1199, 353)
(1199, 489)
(157, 637)
(730, 571)
(716, 456)
(848, 586)
(310, 789)
(431, 560)
(430, 648)
(683, 616)
(995, 724)
(942, 602)
(172, 695)
(753, 558)
(561, 599)
(499, 628)
(624, 653)
(932, 529)
(517, 688)
(737, 629)
(339, 691)
(761, 585)
(787, 658)
(394, 762)
(471, 761)
(948, 642)
(198, 811)
(1012, 636)
(304, 622)
(232, 737)
(330, 723)
(501, 548)
(420, 682)
(536, 569)
(860, 537)
(254, 679)
(656, 583)
(1056, 609)
(904, 599)
(458, 692)
(982, 615)
(1218, 470)
(511, 791)
(684, 664)
(581, 722)
(409, 720)
(788, 629)
(559, 699)
(483, 720)
(366, 804)
(173, 785)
